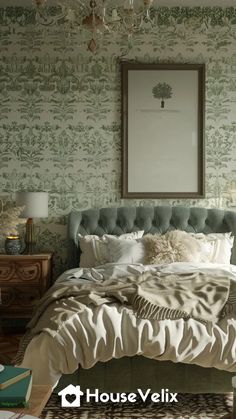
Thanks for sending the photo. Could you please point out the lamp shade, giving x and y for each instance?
(35, 203)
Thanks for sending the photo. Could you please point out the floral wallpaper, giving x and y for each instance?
(60, 127)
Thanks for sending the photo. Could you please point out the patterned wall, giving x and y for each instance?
(60, 109)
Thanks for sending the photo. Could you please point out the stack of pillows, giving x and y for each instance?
(174, 246)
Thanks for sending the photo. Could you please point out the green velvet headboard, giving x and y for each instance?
(151, 219)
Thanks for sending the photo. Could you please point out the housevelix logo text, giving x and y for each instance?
(71, 396)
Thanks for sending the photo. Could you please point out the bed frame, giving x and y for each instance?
(128, 374)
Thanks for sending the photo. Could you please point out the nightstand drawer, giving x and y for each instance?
(16, 299)
(23, 281)
(20, 271)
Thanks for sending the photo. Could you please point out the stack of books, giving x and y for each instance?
(15, 386)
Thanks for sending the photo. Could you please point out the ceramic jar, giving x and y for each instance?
(13, 245)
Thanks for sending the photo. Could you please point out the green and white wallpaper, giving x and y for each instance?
(60, 125)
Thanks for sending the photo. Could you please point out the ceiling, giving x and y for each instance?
(168, 3)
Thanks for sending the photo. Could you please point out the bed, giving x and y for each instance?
(131, 372)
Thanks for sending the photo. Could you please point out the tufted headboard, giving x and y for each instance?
(151, 219)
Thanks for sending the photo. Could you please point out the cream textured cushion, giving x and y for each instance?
(174, 246)
(95, 248)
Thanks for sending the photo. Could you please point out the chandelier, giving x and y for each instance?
(98, 17)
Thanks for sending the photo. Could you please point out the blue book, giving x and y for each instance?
(18, 394)
(10, 375)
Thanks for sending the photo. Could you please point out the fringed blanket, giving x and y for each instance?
(153, 296)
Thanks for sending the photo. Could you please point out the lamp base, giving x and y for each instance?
(29, 249)
(30, 241)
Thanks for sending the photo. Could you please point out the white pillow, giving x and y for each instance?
(216, 247)
(87, 259)
(95, 248)
(125, 251)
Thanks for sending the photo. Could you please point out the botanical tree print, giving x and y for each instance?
(162, 91)
(60, 109)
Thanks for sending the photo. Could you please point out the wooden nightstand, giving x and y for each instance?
(23, 281)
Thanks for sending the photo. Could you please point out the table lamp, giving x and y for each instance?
(36, 206)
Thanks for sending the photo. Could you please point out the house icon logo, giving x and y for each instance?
(70, 396)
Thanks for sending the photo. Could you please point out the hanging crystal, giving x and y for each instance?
(98, 17)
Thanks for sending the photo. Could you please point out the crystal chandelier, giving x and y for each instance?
(98, 17)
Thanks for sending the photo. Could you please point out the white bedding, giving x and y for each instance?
(111, 330)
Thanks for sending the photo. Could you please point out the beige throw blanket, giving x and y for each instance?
(153, 296)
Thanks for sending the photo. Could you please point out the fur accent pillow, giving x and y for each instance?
(174, 246)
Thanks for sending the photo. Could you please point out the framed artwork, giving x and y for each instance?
(162, 130)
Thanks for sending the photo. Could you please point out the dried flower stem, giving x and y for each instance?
(9, 219)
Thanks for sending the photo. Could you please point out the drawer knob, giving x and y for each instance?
(28, 298)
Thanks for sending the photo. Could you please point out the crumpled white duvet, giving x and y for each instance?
(113, 331)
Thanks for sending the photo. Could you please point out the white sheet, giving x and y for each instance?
(101, 333)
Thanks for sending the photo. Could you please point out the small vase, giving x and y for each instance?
(13, 245)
